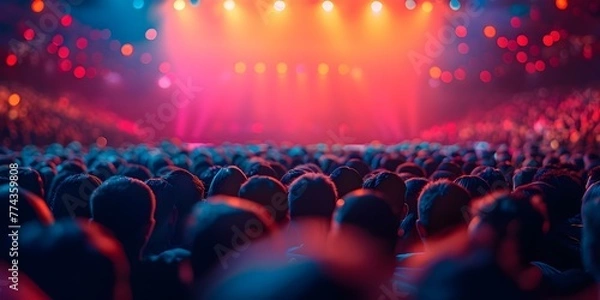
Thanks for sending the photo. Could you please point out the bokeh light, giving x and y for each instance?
(14, 99)
(138, 4)
(562, 4)
(29, 34)
(239, 67)
(435, 72)
(164, 82)
(327, 5)
(66, 20)
(323, 69)
(522, 40)
(410, 4)
(164, 67)
(281, 68)
(260, 68)
(547, 40)
(463, 48)
(279, 5)
(58, 40)
(461, 31)
(454, 5)
(229, 4)
(555, 35)
(427, 6)
(101, 142)
(81, 43)
(530, 68)
(146, 58)
(502, 42)
(540, 66)
(63, 52)
(489, 31)
(485, 76)
(79, 72)
(127, 49)
(179, 5)
(65, 65)
(151, 34)
(37, 6)
(515, 22)
(376, 6)
(446, 77)
(460, 74)
(11, 60)
(522, 57)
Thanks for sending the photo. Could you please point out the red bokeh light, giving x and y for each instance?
(460, 74)
(164, 67)
(79, 72)
(485, 76)
(63, 52)
(522, 40)
(446, 77)
(521, 57)
(58, 40)
(29, 34)
(530, 68)
(540, 66)
(52, 48)
(463, 48)
(81, 43)
(11, 60)
(66, 20)
(512, 45)
(65, 65)
(548, 40)
(515, 22)
(91, 72)
(502, 42)
(461, 31)
(555, 35)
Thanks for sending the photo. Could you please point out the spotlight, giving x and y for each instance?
(327, 6)
(376, 6)
(179, 4)
(279, 5)
(229, 4)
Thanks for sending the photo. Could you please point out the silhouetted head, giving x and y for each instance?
(270, 194)
(72, 197)
(221, 228)
(443, 207)
(493, 177)
(590, 244)
(208, 175)
(27, 178)
(411, 168)
(392, 187)
(593, 176)
(227, 182)
(360, 166)
(346, 180)
(135, 171)
(165, 215)
(103, 170)
(292, 175)
(476, 186)
(312, 195)
(74, 260)
(414, 187)
(570, 190)
(523, 176)
(260, 168)
(126, 207)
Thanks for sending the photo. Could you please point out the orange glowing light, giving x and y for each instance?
(127, 49)
(489, 31)
(37, 6)
(260, 68)
(239, 67)
(281, 68)
(323, 69)
(427, 6)
(435, 72)
(14, 99)
(562, 4)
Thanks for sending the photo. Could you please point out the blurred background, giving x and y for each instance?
(298, 71)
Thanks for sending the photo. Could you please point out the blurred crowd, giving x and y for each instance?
(412, 221)
(550, 118)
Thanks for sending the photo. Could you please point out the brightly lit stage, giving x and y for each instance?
(302, 74)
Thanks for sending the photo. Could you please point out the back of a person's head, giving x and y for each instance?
(493, 177)
(442, 207)
(392, 187)
(126, 207)
(590, 244)
(220, 228)
(369, 211)
(414, 186)
(103, 170)
(476, 186)
(569, 188)
(516, 217)
(593, 176)
(523, 176)
(189, 189)
(346, 180)
(135, 171)
(411, 168)
(443, 175)
(312, 195)
(260, 168)
(360, 166)
(269, 193)
(165, 194)
(72, 197)
(208, 175)
(227, 182)
(74, 260)
(450, 167)
(27, 178)
(20, 207)
(292, 175)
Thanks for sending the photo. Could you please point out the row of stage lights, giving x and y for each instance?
(327, 5)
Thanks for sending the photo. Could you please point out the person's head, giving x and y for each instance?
(411, 168)
(126, 207)
(135, 171)
(312, 195)
(393, 188)
(570, 191)
(414, 186)
(72, 197)
(442, 208)
(292, 175)
(523, 176)
(451, 167)
(590, 244)
(208, 175)
(74, 260)
(27, 178)
(346, 180)
(494, 178)
(513, 226)
(260, 168)
(593, 176)
(220, 228)
(360, 166)
(369, 212)
(227, 182)
(165, 215)
(270, 194)
(103, 170)
(591, 193)
(28, 207)
(476, 186)
(443, 175)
